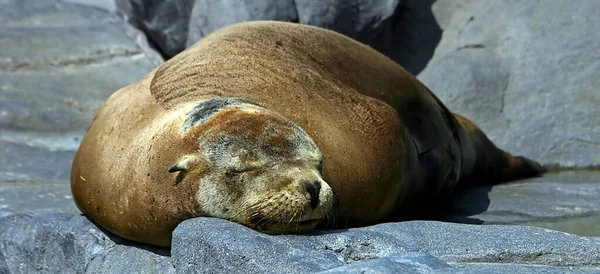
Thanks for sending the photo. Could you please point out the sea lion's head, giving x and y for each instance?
(255, 167)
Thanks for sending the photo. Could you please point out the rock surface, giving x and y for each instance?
(69, 243)
(58, 64)
(202, 21)
(164, 22)
(108, 5)
(565, 201)
(405, 30)
(526, 76)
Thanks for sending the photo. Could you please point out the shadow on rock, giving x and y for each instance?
(411, 36)
(162, 251)
(457, 208)
(465, 203)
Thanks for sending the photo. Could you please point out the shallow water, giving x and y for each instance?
(582, 225)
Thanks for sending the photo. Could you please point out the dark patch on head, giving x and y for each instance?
(203, 111)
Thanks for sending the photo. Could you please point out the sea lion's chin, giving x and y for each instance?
(291, 226)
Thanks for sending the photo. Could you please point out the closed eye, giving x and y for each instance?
(235, 172)
(320, 167)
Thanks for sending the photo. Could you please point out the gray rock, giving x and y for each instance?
(566, 201)
(164, 22)
(524, 74)
(410, 36)
(21, 162)
(60, 243)
(128, 258)
(405, 31)
(202, 21)
(61, 61)
(503, 268)
(409, 262)
(47, 197)
(353, 18)
(198, 248)
(204, 244)
(108, 5)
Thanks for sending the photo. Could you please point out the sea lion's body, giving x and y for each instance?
(385, 138)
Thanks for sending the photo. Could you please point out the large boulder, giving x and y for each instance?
(108, 5)
(164, 22)
(405, 30)
(203, 20)
(566, 201)
(526, 72)
(66, 243)
(59, 62)
(72, 244)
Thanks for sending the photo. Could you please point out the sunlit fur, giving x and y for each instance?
(258, 163)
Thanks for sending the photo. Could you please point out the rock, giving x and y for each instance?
(566, 201)
(410, 36)
(409, 262)
(72, 244)
(108, 5)
(235, 248)
(204, 244)
(202, 21)
(405, 31)
(41, 197)
(61, 243)
(527, 77)
(372, 22)
(164, 22)
(354, 18)
(61, 61)
(21, 162)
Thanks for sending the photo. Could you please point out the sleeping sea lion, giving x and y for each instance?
(280, 127)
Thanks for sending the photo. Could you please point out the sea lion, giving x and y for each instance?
(280, 127)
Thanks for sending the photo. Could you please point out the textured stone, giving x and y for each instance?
(103, 4)
(204, 244)
(61, 61)
(526, 76)
(409, 262)
(61, 243)
(202, 21)
(566, 201)
(164, 22)
(405, 31)
(353, 18)
(72, 244)
(21, 162)
(40, 197)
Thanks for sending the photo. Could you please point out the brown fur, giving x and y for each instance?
(385, 138)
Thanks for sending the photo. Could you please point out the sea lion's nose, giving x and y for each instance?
(313, 190)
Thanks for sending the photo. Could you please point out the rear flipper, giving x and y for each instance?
(484, 163)
(519, 167)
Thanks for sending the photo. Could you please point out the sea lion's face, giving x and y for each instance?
(260, 169)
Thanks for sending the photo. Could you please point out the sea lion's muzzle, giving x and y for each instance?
(313, 190)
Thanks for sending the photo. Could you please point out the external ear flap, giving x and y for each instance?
(180, 166)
